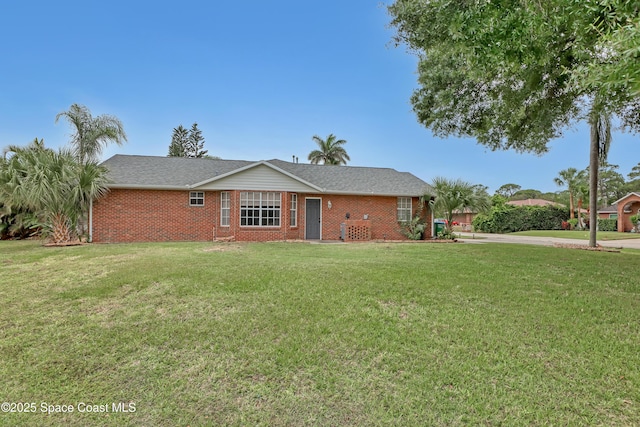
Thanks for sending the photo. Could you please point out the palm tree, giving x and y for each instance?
(52, 185)
(448, 196)
(331, 151)
(571, 179)
(600, 141)
(91, 134)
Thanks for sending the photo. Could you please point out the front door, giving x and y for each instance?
(312, 221)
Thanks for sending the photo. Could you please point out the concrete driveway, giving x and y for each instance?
(544, 241)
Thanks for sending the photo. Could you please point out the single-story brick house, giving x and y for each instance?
(181, 199)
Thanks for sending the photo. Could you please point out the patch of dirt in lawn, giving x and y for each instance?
(585, 247)
(223, 247)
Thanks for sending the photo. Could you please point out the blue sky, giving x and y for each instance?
(259, 78)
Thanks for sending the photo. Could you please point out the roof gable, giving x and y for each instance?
(258, 176)
(626, 197)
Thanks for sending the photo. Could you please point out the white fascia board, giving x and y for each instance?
(147, 187)
(371, 193)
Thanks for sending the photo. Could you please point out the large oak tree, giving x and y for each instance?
(515, 74)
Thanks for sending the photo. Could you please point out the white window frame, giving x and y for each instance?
(404, 208)
(196, 198)
(225, 209)
(260, 209)
(293, 211)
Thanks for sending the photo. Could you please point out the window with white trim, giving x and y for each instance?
(404, 209)
(225, 208)
(259, 209)
(196, 198)
(293, 211)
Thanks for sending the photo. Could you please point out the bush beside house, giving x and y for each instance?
(505, 218)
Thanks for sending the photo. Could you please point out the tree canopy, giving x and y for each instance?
(187, 143)
(508, 190)
(514, 74)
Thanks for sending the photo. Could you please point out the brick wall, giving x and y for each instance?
(125, 215)
(632, 205)
(381, 211)
(152, 215)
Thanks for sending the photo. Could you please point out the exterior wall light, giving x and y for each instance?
(329, 204)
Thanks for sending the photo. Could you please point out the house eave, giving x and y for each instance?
(147, 187)
(371, 193)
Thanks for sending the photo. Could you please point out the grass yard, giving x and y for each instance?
(281, 334)
(582, 235)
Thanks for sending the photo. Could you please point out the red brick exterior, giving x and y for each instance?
(129, 215)
(627, 207)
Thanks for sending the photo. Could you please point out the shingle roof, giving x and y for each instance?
(608, 209)
(165, 172)
(126, 171)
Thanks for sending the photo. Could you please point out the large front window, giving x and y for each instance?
(259, 209)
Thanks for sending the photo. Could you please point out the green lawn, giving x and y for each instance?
(582, 235)
(283, 334)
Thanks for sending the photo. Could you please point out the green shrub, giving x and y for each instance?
(414, 229)
(507, 219)
(446, 234)
(607, 224)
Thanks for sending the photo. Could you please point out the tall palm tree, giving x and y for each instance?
(448, 196)
(331, 151)
(600, 141)
(572, 179)
(91, 134)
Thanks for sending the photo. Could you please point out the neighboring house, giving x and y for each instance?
(464, 218)
(183, 199)
(627, 206)
(610, 212)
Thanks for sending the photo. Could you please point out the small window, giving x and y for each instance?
(404, 209)
(196, 198)
(613, 216)
(293, 211)
(225, 208)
